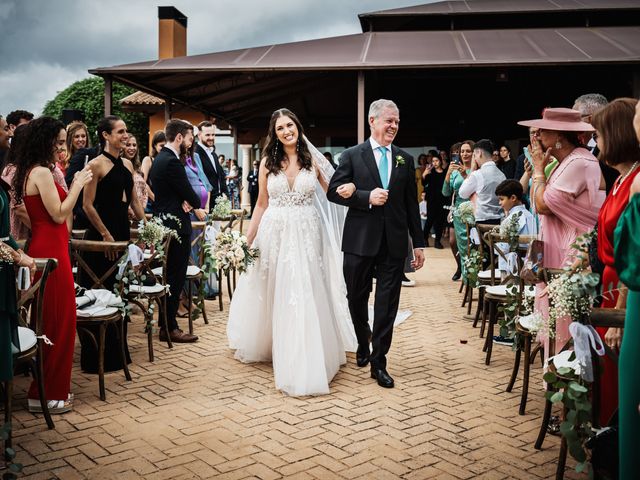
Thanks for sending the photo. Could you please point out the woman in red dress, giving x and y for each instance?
(619, 149)
(50, 211)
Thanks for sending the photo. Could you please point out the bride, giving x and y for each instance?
(290, 307)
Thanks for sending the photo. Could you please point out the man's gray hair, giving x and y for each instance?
(376, 108)
(589, 103)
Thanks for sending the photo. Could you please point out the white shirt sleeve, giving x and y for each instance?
(469, 186)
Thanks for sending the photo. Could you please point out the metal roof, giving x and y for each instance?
(502, 6)
(413, 49)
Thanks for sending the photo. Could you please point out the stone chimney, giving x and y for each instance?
(172, 33)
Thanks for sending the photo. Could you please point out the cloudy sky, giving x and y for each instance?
(45, 45)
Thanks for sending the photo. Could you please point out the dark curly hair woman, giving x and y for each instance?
(50, 210)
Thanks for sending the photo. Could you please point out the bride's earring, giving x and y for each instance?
(275, 151)
(298, 146)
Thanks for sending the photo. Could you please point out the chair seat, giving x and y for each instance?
(562, 360)
(27, 339)
(501, 290)
(74, 270)
(97, 311)
(528, 322)
(486, 275)
(149, 289)
(192, 271)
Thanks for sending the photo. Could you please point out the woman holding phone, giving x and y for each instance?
(458, 170)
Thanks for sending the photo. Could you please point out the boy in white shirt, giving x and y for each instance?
(510, 196)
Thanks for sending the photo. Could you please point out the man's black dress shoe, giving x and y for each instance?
(362, 356)
(383, 378)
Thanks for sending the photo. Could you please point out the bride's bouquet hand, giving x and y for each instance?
(346, 190)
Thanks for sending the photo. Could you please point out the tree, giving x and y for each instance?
(88, 96)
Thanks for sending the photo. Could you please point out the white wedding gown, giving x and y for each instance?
(290, 307)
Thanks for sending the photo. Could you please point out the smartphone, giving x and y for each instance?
(455, 158)
(527, 154)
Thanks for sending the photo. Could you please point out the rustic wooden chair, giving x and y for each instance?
(108, 317)
(600, 317)
(496, 295)
(231, 221)
(30, 331)
(154, 294)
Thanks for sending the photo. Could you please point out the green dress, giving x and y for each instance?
(459, 227)
(627, 261)
(8, 315)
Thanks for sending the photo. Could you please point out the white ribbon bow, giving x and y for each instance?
(585, 336)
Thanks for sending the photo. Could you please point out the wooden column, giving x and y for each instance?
(235, 143)
(361, 107)
(108, 96)
(167, 109)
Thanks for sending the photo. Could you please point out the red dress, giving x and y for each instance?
(610, 212)
(51, 240)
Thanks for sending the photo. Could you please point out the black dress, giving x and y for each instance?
(436, 214)
(113, 197)
(8, 308)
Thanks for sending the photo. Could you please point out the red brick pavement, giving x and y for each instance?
(198, 413)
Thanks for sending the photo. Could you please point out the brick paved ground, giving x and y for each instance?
(198, 413)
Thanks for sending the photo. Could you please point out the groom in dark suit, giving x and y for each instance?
(376, 180)
(206, 149)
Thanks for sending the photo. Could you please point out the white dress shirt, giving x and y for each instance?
(378, 155)
(483, 182)
(175, 152)
(209, 151)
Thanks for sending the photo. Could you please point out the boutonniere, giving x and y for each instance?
(399, 160)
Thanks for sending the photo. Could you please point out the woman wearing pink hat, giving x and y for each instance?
(568, 201)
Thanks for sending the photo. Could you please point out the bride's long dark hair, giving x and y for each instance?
(273, 150)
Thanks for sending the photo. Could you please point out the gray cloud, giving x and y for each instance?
(47, 44)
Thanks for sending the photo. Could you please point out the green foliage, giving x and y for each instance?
(473, 266)
(88, 96)
(574, 396)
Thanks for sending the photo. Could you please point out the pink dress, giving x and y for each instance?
(574, 197)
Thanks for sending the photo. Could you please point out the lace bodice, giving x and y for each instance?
(299, 195)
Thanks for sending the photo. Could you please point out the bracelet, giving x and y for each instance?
(21, 257)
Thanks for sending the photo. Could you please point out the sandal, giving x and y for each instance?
(55, 406)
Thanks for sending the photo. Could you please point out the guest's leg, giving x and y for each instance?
(358, 274)
(177, 263)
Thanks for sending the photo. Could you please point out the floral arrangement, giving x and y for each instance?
(399, 160)
(572, 294)
(473, 266)
(222, 208)
(510, 229)
(231, 251)
(153, 232)
(465, 213)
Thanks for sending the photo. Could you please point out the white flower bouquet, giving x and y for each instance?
(153, 233)
(464, 212)
(222, 208)
(231, 251)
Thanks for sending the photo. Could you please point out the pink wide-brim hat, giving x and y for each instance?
(561, 120)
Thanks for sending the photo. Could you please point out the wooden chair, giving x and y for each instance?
(155, 294)
(195, 273)
(498, 294)
(485, 277)
(110, 317)
(230, 222)
(600, 317)
(30, 311)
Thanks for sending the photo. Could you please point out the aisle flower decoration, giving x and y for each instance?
(222, 207)
(465, 213)
(572, 294)
(232, 251)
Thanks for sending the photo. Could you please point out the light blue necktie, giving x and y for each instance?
(383, 167)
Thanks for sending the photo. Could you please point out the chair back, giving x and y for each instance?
(118, 249)
(30, 302)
